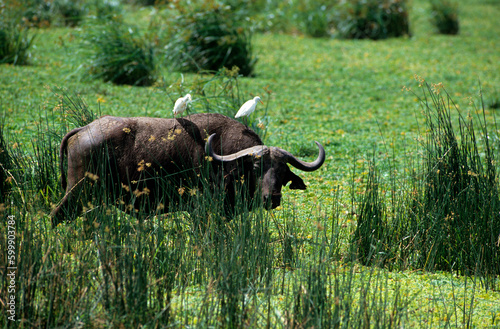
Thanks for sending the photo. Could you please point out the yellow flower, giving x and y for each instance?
(471, 173)
(101, 100)
(141, 164)
(138, 193)
(419, 79)
(125, 187)
(91, 176)
(437, 87)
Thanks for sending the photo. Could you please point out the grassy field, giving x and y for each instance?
(293, 267)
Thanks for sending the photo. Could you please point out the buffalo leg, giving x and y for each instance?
(71, 205)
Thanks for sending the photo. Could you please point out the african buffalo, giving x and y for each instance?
(147, 162)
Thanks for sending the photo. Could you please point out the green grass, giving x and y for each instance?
(346, 94)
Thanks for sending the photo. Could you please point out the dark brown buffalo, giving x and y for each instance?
(148, 163)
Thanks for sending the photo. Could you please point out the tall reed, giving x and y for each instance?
(449, 219)
(457, 217)
(16, 41)
(5, 166)
(444, 16)
(121, 55)
(209, 38)
(370, 234)
(360, 19)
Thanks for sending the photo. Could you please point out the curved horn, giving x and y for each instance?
(255, 150)
(302, 165)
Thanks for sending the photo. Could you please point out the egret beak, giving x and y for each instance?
(261, 102)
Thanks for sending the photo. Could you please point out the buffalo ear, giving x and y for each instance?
(297, 182)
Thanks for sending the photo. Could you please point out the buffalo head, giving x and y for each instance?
(270, 167)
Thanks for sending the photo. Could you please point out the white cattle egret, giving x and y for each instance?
(247, 108)
(181, 104)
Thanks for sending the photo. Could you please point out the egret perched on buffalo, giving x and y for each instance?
(247, 108)
(181, 104)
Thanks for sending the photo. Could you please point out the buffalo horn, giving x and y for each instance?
(255, 150)
(302, 165)
(259, 150)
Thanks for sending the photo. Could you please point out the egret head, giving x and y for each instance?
(257, 99)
